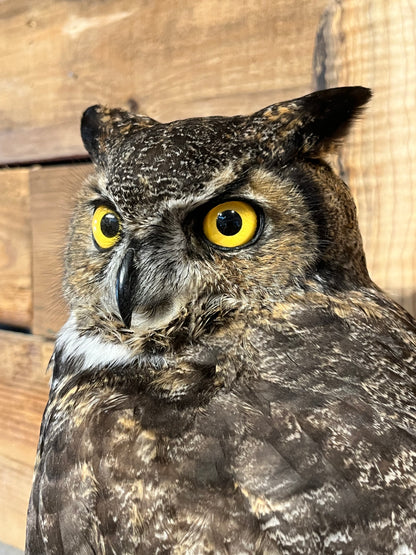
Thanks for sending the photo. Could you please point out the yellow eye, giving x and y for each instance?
(106, 227)
(231, 224)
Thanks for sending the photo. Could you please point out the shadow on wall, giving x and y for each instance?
(409, 303)
(8, 550)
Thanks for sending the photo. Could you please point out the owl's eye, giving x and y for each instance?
(231, 224)
(106, 227)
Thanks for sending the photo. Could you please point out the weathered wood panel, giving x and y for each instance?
(15, 249)
(23, 394)
(372, 43)
(53, 192)
(169, 59)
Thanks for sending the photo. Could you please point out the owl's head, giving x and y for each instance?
(187, 222)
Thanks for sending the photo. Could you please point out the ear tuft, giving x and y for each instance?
(309, 125)
(90, 129)
(333, 111)
(101, 127)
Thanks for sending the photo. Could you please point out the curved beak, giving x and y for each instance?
(126, 284)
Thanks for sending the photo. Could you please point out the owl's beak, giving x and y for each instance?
(126, 287)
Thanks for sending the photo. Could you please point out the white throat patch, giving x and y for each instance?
(92, 351)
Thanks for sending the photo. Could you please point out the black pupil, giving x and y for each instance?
(109, 225)
(229, 222)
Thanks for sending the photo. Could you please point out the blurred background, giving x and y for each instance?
(172, 60)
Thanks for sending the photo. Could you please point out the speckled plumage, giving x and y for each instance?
(251, 400)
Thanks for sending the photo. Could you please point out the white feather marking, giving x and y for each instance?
(404, 549)
(93, 351)
(271, 523)
(337, 537)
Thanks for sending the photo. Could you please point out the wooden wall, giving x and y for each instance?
(174, 60)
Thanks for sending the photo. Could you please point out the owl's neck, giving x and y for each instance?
(194, 371)
(193, 368)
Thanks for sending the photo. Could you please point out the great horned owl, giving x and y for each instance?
(230, 380)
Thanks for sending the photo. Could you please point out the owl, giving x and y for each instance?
(229, 380)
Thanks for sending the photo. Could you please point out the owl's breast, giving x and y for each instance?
(310, 449)
(135, 488)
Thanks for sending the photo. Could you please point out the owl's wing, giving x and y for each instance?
(331, 457)
(59, 519)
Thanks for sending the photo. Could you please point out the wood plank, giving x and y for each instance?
(23, 395)
(15, 249)
(372, 43)
(170, 60)
(53, 192)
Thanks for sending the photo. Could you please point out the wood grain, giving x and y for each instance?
(53, 191)
(372, 43)
(23, 395)
(168, 59)
(15, 249)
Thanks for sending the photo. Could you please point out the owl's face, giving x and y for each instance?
(187, 223)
